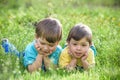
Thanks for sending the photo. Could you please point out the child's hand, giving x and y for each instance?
(72, 64)
(70, 53)
(84, 57)
(37, 46)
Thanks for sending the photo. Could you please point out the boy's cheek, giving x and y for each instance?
(37, 45)
(52, 48)
(51, 51)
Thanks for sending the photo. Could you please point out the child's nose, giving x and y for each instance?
(46, 48)
(79, 48)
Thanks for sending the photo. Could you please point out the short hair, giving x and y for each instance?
(50, 29)
(80, 31)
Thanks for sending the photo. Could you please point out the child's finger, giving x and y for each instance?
(86, 54)
(37, 41)
(69, 52)
(37, 46)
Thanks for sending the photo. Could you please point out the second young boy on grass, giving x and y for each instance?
(43, 52)
(78, 54)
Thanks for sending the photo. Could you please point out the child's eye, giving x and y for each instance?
(84, 45)
(74, 44)
(51, 45)
(43, 43)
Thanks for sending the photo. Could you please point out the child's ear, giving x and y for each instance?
(90, 44)
(68, 42)
(36, 36)
(58, 42)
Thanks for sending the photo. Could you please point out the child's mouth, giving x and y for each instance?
(78, 54)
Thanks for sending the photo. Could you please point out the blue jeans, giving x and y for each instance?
(10, 48)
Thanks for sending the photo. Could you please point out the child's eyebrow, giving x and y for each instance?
(84, 42)
(41, 41)
(81, 42)
(51, 44)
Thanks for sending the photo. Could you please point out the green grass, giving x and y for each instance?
(16, 24)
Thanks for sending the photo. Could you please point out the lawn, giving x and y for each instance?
(17, 18)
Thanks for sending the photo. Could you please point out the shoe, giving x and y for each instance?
(5, 45)
(9, 48)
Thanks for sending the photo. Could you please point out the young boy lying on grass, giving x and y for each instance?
(78, 54)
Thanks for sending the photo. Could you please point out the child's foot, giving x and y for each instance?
(9, 48)
(5, 45)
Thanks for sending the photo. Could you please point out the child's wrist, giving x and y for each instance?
(45, 57)
(73, 62)
(74, 59)
(40, 56)
(40, 53)
(83, 61)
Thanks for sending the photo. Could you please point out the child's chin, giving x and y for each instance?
(78, 56)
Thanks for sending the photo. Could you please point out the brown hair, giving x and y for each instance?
(50, 29)
(80, 31)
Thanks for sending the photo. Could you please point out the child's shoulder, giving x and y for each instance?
(65, 54)
(59, 47)
(90, 52)
(30, 45)
(65, 51)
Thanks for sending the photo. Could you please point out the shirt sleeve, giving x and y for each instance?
(94, 49)
(30, 56)
(55, 55)
(91, 59)
(64, 59)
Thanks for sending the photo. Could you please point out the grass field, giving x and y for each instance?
(16, 24)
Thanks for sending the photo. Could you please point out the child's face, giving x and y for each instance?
(45, 47)
(78, 48)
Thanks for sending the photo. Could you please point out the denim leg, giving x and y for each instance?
(9, 48)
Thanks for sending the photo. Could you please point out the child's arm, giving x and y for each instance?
(64, 59)
(85, 64)
(67, 61)
(48, 64)
(38, 62)
(36, 65)
(88, 60)
(72, 64)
